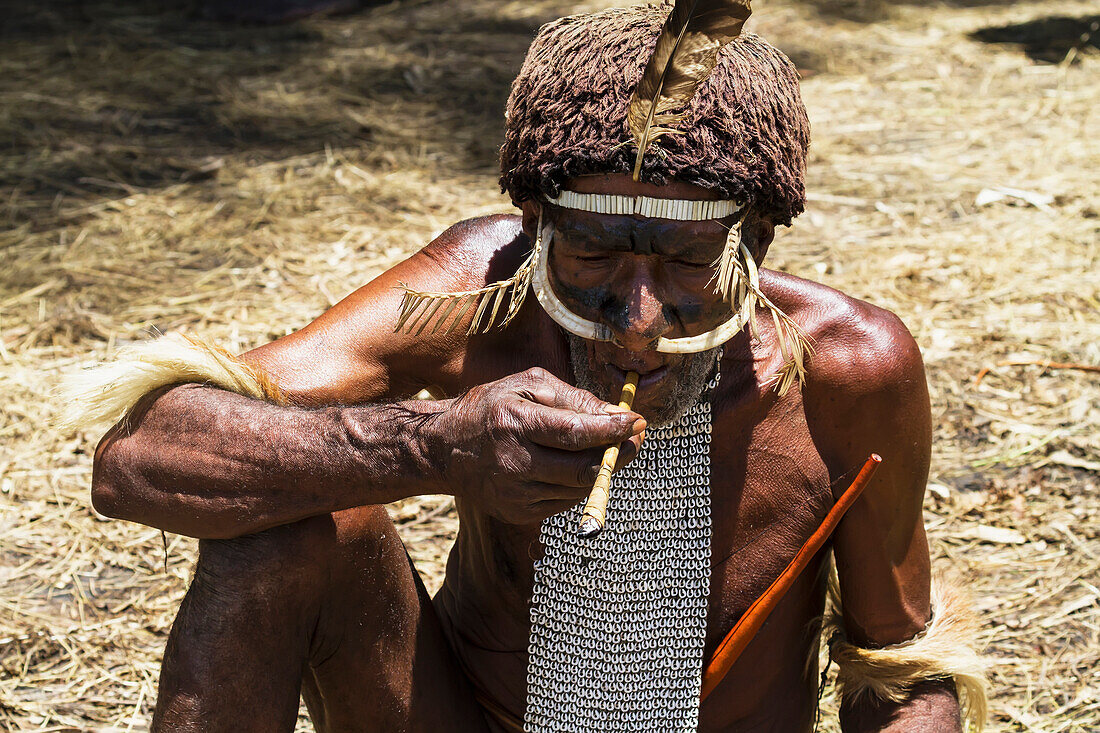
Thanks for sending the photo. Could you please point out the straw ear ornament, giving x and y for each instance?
(737, 279)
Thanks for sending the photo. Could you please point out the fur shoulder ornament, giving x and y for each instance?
(106, 393)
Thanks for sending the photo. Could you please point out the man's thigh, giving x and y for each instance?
(378, 660)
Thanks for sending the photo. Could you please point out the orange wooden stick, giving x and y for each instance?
(749, 624)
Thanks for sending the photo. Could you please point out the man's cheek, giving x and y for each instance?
(690, 310)
(694, 311)
(597, 371)
(586, 302)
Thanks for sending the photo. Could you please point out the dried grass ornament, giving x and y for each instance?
(737, 279)
(421, 307)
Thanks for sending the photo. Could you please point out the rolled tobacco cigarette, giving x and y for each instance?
(595, 511)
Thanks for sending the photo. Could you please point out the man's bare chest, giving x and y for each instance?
(770, 490)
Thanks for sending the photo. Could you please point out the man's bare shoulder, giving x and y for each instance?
(859, 348)
(351, 354)
(478, 251)
(865, 389)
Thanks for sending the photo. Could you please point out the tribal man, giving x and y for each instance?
(647, 203)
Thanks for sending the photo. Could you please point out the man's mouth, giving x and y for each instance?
(667, 385)
(646, 380)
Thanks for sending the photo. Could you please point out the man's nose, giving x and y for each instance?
(643, 321)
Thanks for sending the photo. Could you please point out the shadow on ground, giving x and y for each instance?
(1047, 39)
(873, 11)
(102, 98)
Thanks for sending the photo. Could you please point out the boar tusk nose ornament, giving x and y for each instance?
(593, 331)
(736, 279)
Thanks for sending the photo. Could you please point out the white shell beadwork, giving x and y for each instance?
(618, 621)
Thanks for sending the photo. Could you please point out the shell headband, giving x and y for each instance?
(684, 55)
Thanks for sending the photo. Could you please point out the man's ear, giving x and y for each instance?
(761, 233)
(531, 209)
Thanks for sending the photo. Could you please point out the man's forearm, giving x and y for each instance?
(212, 464)
(932, 706)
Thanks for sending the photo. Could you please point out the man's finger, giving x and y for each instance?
(541, 492)
(629, 450)
(554, 506)
(576, 431)
(575, 469)
(543, 387)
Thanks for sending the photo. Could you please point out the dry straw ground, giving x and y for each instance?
(159, 172)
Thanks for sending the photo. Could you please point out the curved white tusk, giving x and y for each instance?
(554, 308)
(711, 339)
(593, 331)
(726, 331)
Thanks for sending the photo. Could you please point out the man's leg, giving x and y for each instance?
(332, 601)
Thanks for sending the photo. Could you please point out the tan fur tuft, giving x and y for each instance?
(946, 648)
(105, 394)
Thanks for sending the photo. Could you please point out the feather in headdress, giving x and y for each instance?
(684, 56)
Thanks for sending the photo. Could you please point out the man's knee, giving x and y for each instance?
(282, 566)
(298, 565)
(245, 628)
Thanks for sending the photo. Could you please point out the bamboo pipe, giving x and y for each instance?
(595, 511)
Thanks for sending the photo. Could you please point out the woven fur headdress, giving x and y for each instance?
(661, 108)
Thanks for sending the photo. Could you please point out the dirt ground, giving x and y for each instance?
(159, 172)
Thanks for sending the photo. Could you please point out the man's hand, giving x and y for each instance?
(526, 446)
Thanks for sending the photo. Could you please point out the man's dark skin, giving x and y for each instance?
(302, 582)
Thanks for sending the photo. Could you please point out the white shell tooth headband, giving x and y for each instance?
(651, 208)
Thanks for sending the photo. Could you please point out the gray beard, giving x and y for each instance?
(687, 382)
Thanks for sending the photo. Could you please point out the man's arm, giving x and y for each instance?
(209, 463)
(868, 394)
(212, 464)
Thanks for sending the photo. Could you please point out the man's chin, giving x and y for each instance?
(663, 401)
(662, 414)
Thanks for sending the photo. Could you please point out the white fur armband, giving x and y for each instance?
(946, 648)
(106, 393)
